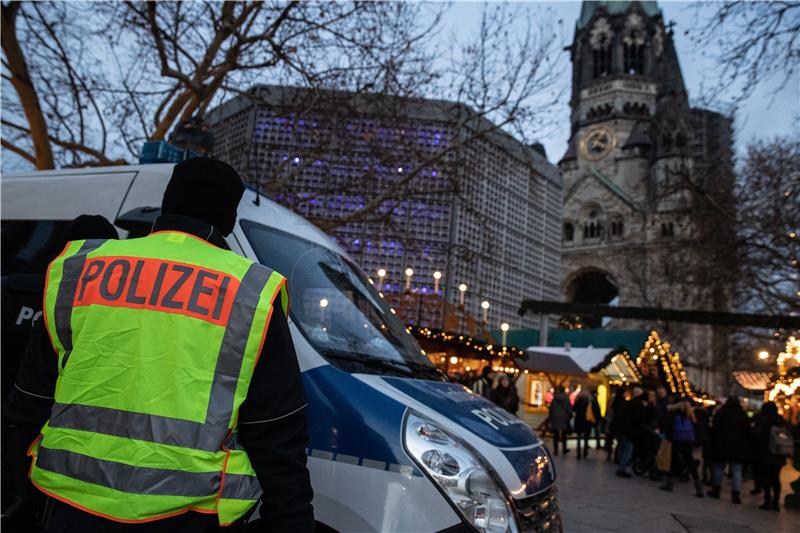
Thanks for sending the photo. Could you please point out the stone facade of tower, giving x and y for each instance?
(632, 233)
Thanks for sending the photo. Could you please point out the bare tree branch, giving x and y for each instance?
(19, 151)
(757, 41)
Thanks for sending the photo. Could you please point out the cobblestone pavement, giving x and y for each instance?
(593, 499)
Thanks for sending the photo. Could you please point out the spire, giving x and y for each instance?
(613, 7)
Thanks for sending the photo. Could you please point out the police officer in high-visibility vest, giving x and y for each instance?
(24, 336)
(179, 402)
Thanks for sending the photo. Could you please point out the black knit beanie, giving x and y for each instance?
(206, 189)
(89, 227)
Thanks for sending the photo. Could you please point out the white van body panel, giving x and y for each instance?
(394, 501)
(76, 192)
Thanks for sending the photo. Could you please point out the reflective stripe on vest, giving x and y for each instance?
(213, 473)
(73, 266)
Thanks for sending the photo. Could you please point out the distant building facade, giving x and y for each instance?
(643, 175)
(485, 212)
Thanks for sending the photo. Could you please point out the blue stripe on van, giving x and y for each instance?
(353, 423)
(477, 414)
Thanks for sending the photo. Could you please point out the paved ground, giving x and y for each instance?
(593, 499)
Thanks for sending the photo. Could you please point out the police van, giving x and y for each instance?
(392, 446)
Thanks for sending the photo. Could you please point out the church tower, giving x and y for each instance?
(629, 236)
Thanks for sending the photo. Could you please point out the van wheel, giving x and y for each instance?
(322, 528)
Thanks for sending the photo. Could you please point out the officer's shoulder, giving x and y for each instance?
(23, 282)
(262, 267)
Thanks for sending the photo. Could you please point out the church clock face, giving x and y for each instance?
(597, 143)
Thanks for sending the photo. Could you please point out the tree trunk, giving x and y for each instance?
(22, 83)
(178, 103)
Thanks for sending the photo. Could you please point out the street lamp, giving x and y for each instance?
(504, 328)
(485, 307)
(409, 273)
(381, 275)
(436, 277)
(763, 355)
(462, 289)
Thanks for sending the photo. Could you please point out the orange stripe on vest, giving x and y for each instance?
(166, 286)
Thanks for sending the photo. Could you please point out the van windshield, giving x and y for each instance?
(336, 307)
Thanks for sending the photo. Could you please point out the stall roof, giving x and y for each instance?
(753, 380)
(621, 368)
(631, 340)
(550, 363)
(586, 358)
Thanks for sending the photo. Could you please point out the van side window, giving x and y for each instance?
(28, 246)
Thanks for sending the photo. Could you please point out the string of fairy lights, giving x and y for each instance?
(478, 348)
(624, 366)
(784, 390)
(658, 353)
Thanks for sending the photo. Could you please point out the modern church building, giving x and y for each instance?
(402, 184)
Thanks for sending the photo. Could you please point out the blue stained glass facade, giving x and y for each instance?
(486, 213)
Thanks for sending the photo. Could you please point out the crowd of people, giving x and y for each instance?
(498, 387)
(667, 438)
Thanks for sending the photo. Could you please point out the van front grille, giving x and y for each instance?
(539, 513)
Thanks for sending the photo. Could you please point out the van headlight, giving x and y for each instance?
(461, 474)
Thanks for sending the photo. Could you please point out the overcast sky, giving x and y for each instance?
(763, 115)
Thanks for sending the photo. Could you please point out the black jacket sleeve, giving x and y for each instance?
(26, 410)
(274, 431)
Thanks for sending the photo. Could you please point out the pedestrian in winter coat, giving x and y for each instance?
(681, 430)
(617, 405)
(629, 423)
(769, 463)
(662, 404)
(587, 416)
(730, 437)
(559, 419)
(505, 394)
(702, 438)
(483, 384)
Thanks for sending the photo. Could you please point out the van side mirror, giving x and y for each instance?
(138, 221)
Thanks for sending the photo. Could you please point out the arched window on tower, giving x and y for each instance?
(634, 58)
(593, 228)
(602, 61)
(617, 228)
(600, 39)
(569, 232)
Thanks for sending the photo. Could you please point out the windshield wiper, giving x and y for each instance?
(405, 368)
(430, 369)
(369, 361)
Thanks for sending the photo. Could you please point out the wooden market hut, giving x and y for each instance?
(543, 371)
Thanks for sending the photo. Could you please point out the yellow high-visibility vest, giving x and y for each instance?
(157, 339)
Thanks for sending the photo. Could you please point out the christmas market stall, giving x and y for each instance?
(658, 364)
(753, 380)
(784, 389)
(605, 368)
(460, 354)
(545, 369)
